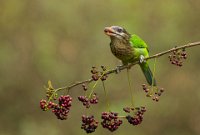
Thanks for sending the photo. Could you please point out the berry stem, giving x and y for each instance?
(67, 92)
(106, 96)
(121, 116)
(154, 70)
(92, 90)
(129, 83)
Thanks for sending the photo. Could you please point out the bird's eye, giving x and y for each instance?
(120, 30)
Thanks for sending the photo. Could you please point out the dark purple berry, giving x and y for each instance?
(161, 90)
(159, 94)
(95, 77)
(127, 109)
(84, 87)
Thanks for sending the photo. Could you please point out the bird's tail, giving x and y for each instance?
(147, 73)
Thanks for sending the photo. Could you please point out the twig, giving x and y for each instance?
(115, 70)
(74, 85)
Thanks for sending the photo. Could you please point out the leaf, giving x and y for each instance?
(50, 86)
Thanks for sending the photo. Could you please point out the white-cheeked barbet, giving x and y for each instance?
(129, 49)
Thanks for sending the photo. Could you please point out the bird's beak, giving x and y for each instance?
(109, 31)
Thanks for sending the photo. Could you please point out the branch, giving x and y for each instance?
(117, 69)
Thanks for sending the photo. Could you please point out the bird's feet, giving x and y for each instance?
(118, 68)
(142, 58)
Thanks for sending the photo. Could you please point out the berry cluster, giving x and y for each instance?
(50, 93)
(110, 121)
(94, 99)
(89, 124)
(153, 92)
(104, 77)
(86, 102)
(43, 104)
(177, 57)
(61, 109)
(51, 105)
(96, 74)
(137, 117)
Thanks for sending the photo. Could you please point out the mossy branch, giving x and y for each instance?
(117, 69)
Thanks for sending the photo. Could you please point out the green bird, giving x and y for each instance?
(129, 49)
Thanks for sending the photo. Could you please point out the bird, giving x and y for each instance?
(130, 48)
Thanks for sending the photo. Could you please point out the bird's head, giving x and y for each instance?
(117, 32)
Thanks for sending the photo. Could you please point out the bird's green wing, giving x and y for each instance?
(137, 42)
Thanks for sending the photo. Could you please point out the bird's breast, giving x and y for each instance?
(122, 51)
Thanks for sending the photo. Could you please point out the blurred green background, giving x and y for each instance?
(60, 40)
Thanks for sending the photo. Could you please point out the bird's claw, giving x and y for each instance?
(142, 59)
(118, 68)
